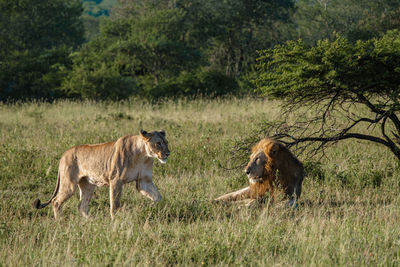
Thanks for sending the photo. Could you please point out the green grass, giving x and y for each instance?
(349, 213)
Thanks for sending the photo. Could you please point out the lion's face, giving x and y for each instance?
(256, 166)
(156, 144)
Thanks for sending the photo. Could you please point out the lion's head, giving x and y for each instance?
(156, 144)
(261, 160)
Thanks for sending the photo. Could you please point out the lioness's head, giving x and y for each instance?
(256, 166)
(156, 144)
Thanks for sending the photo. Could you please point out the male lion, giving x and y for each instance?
(270, 163)
(112, 164)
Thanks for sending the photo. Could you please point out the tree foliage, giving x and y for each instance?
(353, 19)
(200, 45)
(333, 79)
(130, 50)
(160, 48)
(40, 24)
(100, 71)
(241, 28)
(36, 37)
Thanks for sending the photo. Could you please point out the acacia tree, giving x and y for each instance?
(350, 90)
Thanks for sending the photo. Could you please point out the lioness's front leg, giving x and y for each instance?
(115, 195)
(241, 194)
(147, 188)
(86, 191)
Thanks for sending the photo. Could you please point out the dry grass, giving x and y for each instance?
(349, 213)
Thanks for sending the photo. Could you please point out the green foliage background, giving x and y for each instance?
(117, 49)
(36, 38)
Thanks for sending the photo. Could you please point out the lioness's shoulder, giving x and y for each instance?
(127, 140)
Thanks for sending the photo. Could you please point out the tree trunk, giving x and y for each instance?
(156, 79)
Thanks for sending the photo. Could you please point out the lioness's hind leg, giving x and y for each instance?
(86, 192)
(64, 193)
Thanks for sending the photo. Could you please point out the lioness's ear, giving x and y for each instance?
(162, 132)
(145, 135)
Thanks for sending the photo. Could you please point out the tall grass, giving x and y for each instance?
(349, 212)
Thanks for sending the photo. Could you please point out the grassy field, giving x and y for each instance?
(349, 213)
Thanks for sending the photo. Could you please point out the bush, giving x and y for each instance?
(97, 84)
(203, 82)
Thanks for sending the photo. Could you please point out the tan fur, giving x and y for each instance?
(112, 164)
(270, 163)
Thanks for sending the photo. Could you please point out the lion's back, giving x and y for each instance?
(292, 168)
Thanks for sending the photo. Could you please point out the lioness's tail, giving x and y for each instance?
(37, 203)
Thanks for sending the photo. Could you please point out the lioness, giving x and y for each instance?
(270, 163)
(112, 164)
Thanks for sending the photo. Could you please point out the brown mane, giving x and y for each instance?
(268, 146)
(281, 167)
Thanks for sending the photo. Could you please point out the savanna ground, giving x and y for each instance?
(349, 212)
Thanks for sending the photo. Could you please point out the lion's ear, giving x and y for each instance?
(162, 132)
(145, 135)
(274, 150)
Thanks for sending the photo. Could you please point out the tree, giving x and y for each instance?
(36, 37)
(174, 47)
(350, 90)
(353, 19)
(102, 69)
(136, 53)
(241, 27)
(157, 41)
(44, 24)
(228, 32)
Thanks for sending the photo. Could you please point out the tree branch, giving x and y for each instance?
(393, 117)
(329, 139)
(365, 101)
